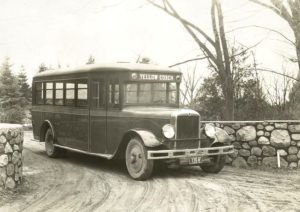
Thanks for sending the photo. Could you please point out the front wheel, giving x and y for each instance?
(217, 164)
(138, 166)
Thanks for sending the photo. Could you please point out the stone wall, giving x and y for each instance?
(257, 143)
(11, 161)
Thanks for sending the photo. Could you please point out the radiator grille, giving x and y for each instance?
(187, 127)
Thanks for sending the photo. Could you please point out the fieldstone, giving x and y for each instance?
(260, 127)
(252, 160)
(244, 152)
(260, 133)
(237, 145)
(239, 162)
(1, 148)
(15, 157)
(17, 177)
(293, 143)
(9, 157)
(20, 161)
(10, 169)
(16, 147)
(229, 130)
(236, 126)
(281, 125)
(228, 160)
(10, 183)
(299, 163)
(8, 148)
(298, 155)
(296, 137)
(298, 144)
(293, 165)
(234, 154)
(269, 128)
(8, 135)
(21, 147)
(12, 141)
(292, 158)
(2, 139)
(20, 171)
(232, 138)
(293, 150)
(268, 151)
(247, 133)
(280, 138)
(245, 146)
(2, 175)
(294, 128)
(256, 151)
(3, 160)
(263, 140)
(282, 152)
(267, 134)
(253, 143)
(272, 162)
(19, 139)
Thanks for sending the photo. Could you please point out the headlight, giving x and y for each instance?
(210, 130)
(168, 131)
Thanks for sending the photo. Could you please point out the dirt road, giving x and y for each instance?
(84, 183)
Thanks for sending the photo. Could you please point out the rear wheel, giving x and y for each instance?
(217, 164)
(51, 150)
(138, 166)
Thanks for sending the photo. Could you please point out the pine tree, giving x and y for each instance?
(10, 97)
(24, 87)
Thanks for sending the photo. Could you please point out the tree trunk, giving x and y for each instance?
(229, 100)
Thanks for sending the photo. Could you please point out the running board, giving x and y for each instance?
(107, 156)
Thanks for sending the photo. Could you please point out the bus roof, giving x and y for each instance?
(108, 67)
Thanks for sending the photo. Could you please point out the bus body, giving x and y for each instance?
(122, 110)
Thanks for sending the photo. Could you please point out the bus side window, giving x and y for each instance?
(70, 93)
(59, 93)
(39, 93)
(49, 93)
(97, 94)
(82, 93)
(114, 95)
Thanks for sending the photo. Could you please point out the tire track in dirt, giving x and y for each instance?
(56, 169)
(83, 183)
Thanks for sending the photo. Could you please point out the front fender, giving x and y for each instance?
(147, 137)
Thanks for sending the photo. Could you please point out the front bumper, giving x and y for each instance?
(185, 153)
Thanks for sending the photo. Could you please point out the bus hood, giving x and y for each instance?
(157, 112)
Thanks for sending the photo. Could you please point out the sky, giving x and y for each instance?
(67, 32)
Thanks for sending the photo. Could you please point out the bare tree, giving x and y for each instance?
(189, 86)
(214, 48)
(289, 11)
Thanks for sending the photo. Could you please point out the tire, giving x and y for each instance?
(216, 166)
(51, 150)
(138, 166)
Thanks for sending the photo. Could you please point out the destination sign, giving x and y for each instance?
(154, 77)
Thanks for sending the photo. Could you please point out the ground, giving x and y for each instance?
(84, 183)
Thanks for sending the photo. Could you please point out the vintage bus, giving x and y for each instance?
(127, 111)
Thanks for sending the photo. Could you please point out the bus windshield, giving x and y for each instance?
(151, 93)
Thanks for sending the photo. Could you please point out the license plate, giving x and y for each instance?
(195, 160)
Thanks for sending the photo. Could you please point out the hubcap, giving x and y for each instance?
(136, 159)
